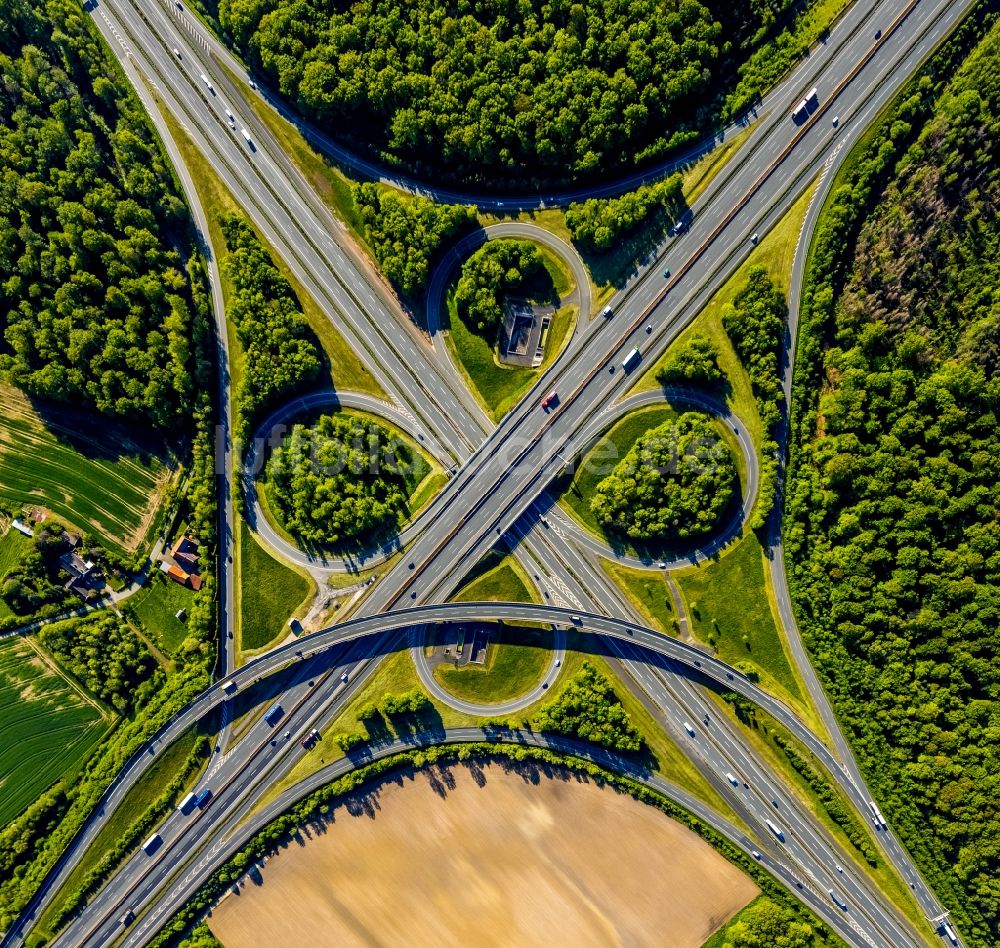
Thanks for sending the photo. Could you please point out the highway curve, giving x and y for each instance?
(199, 872)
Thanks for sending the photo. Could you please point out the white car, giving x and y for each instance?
(177, 52)
(343, 678)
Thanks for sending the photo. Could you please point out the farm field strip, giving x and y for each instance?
(46, 727)
(112, 496)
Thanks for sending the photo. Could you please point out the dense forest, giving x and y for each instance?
(893, 509)
(598, 224)
(588, 708)
(674, 483)
(488, 276)
(493, 90)
(280, 351)
(340, 479)
(407, 232)
(94, 301)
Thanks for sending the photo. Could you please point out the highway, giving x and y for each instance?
(246, 765)
(506, 469)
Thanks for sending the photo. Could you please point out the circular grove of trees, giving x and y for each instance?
(341, 479)
(673, 484)
(493, 271)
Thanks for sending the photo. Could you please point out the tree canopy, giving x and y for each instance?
(893, 528)
(107, 656)
(674, 483)
(489, 275)
(94, 299)
(755, 322)
(281, 353)
(340, 479)
(482, 89)
(598, 223)
(588, 708)
(696, 362)
(407, 232)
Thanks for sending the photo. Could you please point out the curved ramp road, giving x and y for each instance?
(202, 868)
(504, 476)
(857, 18)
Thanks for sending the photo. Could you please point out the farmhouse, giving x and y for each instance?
(182, 564)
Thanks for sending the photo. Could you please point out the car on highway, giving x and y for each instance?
(607, 312)
(754, 238)
(649, 329)
(836, 121)
(129, 916)
(666, 273)
(878, 34)
(550, 400)
(208, 83)
(689, 729)
(231, 119)
(177, 52)
(755, 854)
(343, 678)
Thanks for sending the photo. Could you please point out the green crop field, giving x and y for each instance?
(47, 726)
(95, 478)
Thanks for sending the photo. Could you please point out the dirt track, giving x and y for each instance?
(486, 857)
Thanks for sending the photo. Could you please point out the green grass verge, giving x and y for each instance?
(776, 251)
(504, 582)
(648, 592)
(173, 764)
(48, 726)
(332, 185)
(345, 369)
(497, 387)
(516, 662)
(269, 593)
(728, 607)
(93, 474)
(700, 174)
(397, 675)
(517, 657)
(559, 272)
(156, 608)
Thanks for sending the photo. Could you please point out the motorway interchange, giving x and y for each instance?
(501, 476)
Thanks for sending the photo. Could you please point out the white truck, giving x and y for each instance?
(777, 830)
(249, 140)
(631, 360)
(187, 804)
(689, 729)
(152, 844)
(877, 818)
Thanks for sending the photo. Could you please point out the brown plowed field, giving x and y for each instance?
(481, 856)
